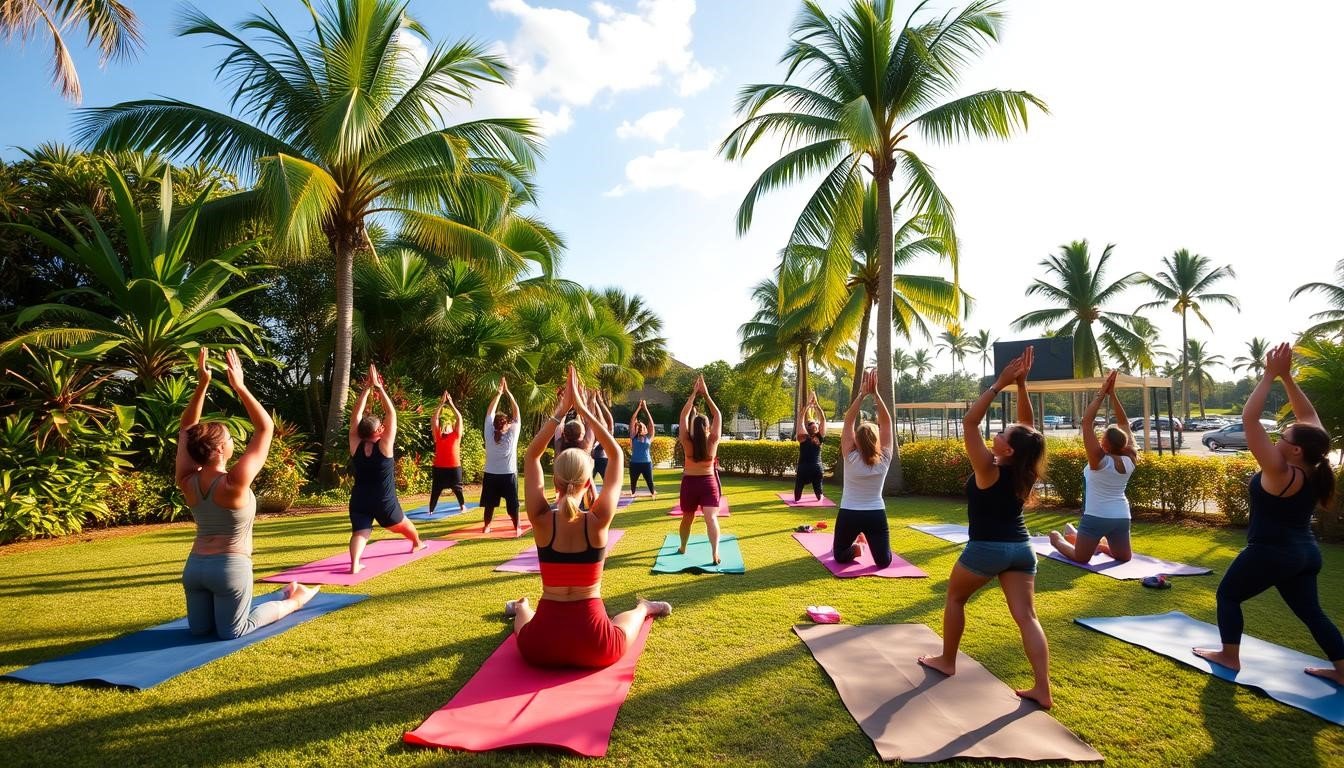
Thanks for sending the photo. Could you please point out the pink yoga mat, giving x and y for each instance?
(723, 509)
(509, 703)
(820, 545)
(526, 561)
(499, 530)
(807, 500)
(379, 557)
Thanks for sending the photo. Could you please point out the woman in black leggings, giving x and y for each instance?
(1294, 479)
(809, 432)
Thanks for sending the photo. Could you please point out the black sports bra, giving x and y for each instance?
(548, 553)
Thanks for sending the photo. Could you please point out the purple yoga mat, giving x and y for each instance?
(1139, 567)
(820, 545)
(379, 557)
(526, 561)
(808, 500)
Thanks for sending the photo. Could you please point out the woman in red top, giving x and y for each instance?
(447, 455)
(570, 626)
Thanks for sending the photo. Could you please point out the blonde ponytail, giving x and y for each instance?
(569, 504)
(573, 469)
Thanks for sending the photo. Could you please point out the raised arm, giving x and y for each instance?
(457, 416)
(513, 404)
(1122, 421)
(494, 407)
(821, 417)
(1303, 411)
(605, 507)
(1024, 412)
(715, 417)
(185, 465)
(800, 414)
(648, 418)
(1095, 453)
(356, 415)
(684, 424)
(886, 435)
(982, 459)
(1272, 463)
(847, 443)
(534, 480)
(389, 438)
(245, 470)
(607, 418)
(634, 419)
(438, 415)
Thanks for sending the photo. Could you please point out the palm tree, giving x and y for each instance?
(650, 358)
(340, 127)
(1253, 362)
(956, 343)
(981, 344)
(1330, 321)
(1199, 361)
(776, 335)
(107, 23)
(872, 82)
(1073, 283)
(921, 362)
(1183, 285)
(901, 362)
(1138, 352)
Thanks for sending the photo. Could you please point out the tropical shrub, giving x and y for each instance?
(281, 478)
(1065, 460)
(661, 449)
(1232, 489)
(144, 497)
(410, 472)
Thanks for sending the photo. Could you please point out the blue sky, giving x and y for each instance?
(1172, 125)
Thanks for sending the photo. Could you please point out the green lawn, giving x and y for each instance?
(722, 681)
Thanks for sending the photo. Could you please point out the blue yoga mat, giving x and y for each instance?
(441, 511)
(697, 557)
(148, 657)
(1270, 668)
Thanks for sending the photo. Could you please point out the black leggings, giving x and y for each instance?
(641, 469)
(1289, 568)
(872, 523)
(445, 478)
(807, 474)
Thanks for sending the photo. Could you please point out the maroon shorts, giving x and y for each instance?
(571, 634)
(699, 491)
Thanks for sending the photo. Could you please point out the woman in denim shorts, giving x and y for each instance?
(1110, 463)
(999, 545)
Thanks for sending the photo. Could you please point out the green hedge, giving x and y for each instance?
(770, 458)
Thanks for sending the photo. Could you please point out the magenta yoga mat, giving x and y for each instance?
(379, 557)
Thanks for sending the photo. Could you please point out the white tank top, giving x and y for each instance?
(863, 483)
(1105, 495)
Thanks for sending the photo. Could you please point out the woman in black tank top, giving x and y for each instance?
(999, 546)
(810, 432)
(1295, 478)
(374, 495)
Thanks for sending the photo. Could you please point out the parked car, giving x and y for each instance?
(1160, 425)
(1202, 423)
(1159, 422)
(1053, 422)
(1233, 436)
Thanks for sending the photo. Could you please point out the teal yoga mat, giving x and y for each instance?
(697, 558)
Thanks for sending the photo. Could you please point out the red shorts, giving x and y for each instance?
(571, 634)
(698, 491)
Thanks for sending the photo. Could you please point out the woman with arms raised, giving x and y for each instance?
(699, 438)
(374, 495)
(867, 451)
(447, 454)
(809, 431)
(570, 626)
(1295, 479)
(641, 455)
(999, 545)
(500, 480)
(218, 574)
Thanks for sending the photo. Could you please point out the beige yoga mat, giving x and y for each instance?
(917, 715)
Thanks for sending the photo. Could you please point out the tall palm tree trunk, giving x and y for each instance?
(343, 246)
(1185, 373)
(882, 176)
(862, 354)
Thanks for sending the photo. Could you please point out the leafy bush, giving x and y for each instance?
(771, 458)
(1232, 489)
(410, 472)
(661, 449)
(54, 490)
(281, 478)
(1065, 460)
(472, 452)
(145, 497)
(935, 467)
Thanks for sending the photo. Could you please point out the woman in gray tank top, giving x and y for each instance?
(218, 574)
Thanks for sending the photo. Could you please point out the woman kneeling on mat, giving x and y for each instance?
(867, 448)
(499, 482)
(700, 490)
(218, 574)
(374, 495)
(1110, 463)
(570, 626)
(809, 433)
(1294, 480)
(641, 456)
(999, 544)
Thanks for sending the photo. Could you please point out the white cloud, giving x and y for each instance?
(654, 125)
(695, 79)
(698, 171)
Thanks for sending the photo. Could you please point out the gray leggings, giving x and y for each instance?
(219, 597)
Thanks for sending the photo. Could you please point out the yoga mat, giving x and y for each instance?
(499, 530)
(146, 658)
(509, 703)
(808, 500)
(440, 512)
(1274, 670)
(821, 546)
(697, 558)
(1139, 567)
(957, 534)
(917, 715)
(379, 557)
(723, 509)
(526, 561)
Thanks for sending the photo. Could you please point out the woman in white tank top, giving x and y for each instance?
(1110, 464)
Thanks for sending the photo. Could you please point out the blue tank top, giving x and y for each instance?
(375, 479)
(639, 450)
(995, 512)
(1281, 519)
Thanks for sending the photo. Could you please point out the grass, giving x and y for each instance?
(722, 681)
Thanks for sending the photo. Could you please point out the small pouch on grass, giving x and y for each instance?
(823, 614)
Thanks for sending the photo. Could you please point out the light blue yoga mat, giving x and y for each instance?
(441, 510)
(1273, 669)
(146, 658)
(697, 558)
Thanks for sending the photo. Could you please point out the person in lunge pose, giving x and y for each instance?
(217, 578)
(999, 545)
(374, 495)
(809, 431)
(570, 627)
(641, 457)
(700, 490)
(447, 454)
(1294, 480)
(1110, 464)
(500, 480)
(867, 451)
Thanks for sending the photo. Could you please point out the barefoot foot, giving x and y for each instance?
(1037, 695)
(1326, 673)
(419, 546)
(656, 608)
(938, 664)
(855, 552)
(1070, 530)
(356, 567)
(1220, 657)
(303, 594)
(290, 589)
(511, 607)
